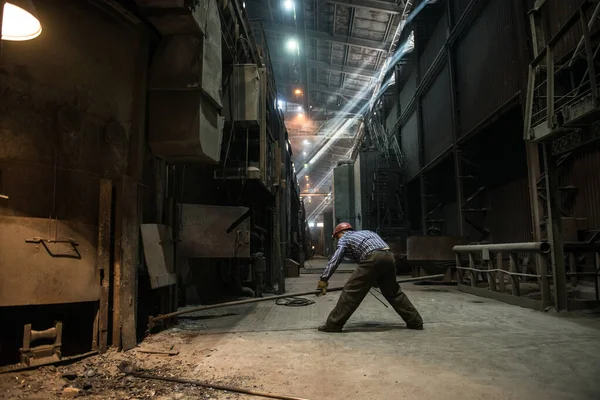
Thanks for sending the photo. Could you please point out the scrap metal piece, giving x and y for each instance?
(42, 354)
(159, 255)
(130, 369)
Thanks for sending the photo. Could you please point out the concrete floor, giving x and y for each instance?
(471, 348)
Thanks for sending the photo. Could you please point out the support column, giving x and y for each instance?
(450, 53)
(554, 228)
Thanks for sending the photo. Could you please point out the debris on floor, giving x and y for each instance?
(98, 377)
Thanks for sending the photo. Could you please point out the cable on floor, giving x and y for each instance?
(294, 302)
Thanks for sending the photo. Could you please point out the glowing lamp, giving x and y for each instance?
(19, 21)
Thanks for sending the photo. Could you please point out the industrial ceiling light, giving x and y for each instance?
(305, 142)
(297, 92)
(292, 45)
(288, 5)
(19, 21)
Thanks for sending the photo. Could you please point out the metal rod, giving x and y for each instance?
(215, 386)
(261, 299)
(378, 299)
(534, 247)
(500, 270)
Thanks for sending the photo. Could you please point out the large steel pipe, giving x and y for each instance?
(533, 247)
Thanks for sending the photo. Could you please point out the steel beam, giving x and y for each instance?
(341, 91)
(367, 73)
(327, 37)
(373, 5)
(314, 87)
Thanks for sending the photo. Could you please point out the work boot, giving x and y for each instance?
(325, 328)
(416, 327)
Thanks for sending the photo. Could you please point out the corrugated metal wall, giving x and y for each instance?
(583, 172)
(409, 140)
(559, 11)
(391, 119)
(436, 41)
(459, 8)
(437, 117)
(450, 217)
(487, 65)
(368, 160)
(408, 91)
(509, 218)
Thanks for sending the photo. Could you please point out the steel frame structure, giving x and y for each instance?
(551, 115)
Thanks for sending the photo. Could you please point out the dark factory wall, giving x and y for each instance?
(71, 114)
(64, 128)
(487, 68)
(437, 117)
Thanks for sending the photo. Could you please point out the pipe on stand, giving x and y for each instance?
(153, 320)
(536, 247)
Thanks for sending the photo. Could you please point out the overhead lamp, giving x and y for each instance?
(298, 92)
(304, 153)
(305, 142)
(19, 21)
(305, 165)
(320, 225)
(288, 5)
(311, 224)
(306, 177)
(292, 45)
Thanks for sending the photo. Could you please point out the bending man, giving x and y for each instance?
(376, 266)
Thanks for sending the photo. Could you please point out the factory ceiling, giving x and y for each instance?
(326, 57)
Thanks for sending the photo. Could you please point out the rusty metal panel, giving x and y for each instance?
(487, 71)
(432, 248)
(409, 141)
(203, 232)
(437, 117)
(184, 124)
(212, 65)
(408, 90)
(158, 253)
(47, 273)
(509, 218)
(435, 42)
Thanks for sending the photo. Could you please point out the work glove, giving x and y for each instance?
(322, 288)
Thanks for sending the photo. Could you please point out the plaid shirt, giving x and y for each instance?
(355, 245)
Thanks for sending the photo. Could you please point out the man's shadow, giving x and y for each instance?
(372, 327)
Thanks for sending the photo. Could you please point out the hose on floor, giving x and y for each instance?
(294, 302)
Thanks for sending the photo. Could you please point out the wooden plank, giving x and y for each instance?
(103, 263)
(129, 245)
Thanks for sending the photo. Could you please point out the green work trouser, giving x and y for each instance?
(379, 268)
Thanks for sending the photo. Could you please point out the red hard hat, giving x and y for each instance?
(344, 226)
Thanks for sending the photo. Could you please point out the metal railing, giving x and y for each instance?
(486, 274)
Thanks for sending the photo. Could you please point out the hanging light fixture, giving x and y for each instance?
(19, 21)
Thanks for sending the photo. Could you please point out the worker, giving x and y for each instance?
(376, 266)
